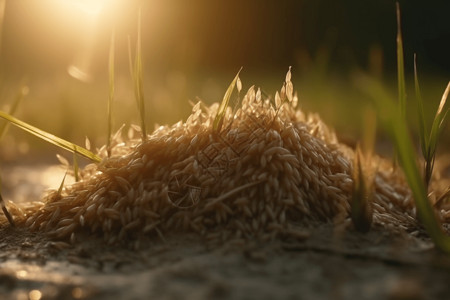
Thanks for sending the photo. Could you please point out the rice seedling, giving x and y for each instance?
(429, 139)
(136, 74)
(362, 193)
(111, 93)
(396, 127)
(400, 67)
(48, 137)
(394, 119)
(363, 177)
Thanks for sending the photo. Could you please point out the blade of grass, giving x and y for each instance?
(400, 67)
(20, 96)
(423, 131)
(397, 129)
(218, 120)
(48, 137)
(364, 176)
(111, 92)
(436, 129)
(136, 74)
(362, 193)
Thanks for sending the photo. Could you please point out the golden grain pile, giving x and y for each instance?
(270, 171)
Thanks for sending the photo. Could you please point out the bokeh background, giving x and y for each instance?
(192, 50)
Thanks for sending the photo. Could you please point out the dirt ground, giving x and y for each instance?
(326, 265)
(330, 263)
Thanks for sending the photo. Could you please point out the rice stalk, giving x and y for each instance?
(111, 93)
(50, 138)
(218, 120)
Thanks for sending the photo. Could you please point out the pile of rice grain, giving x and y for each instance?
(268, 172)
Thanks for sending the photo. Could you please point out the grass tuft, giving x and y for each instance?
(393, 118)
(52, 139)
(429, 139)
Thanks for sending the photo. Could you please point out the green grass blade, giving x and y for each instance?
(52, 139)
(139, 80)
(400, 67)
(362, 193)
(130, 60)
(438, 121)
(396, 127)
(436, 129)
(20, 96)
(136, 74)
(423, 131)
(111, 92)
(218, 120)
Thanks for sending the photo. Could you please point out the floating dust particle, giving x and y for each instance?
(269, 172)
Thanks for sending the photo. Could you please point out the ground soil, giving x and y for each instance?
(329, 264)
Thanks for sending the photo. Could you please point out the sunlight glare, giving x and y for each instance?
(90, 7)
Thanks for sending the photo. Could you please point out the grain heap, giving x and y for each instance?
(270, 171)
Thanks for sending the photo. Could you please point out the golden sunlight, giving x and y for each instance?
(89, 11)
(91, 7)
